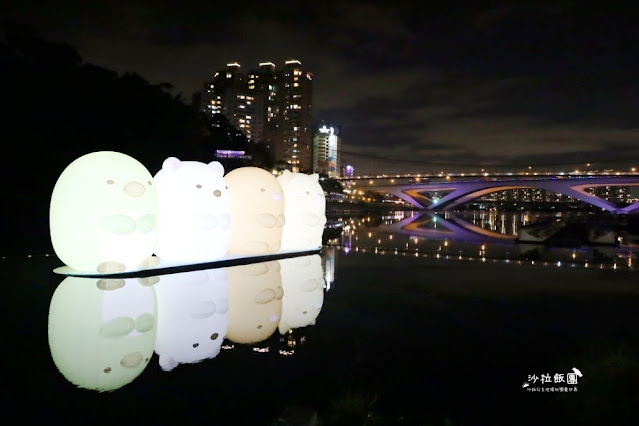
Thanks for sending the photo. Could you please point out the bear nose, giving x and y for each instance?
(134, 189)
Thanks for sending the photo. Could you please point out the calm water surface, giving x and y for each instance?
(398, 321)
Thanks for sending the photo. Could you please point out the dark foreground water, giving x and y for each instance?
(400, 337)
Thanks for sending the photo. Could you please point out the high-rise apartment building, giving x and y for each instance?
(293, 149)
(326, 151)
(269, 106)
(228, 95)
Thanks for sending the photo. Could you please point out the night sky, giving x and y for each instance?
(433, 85)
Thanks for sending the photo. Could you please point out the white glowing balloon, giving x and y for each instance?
(102, 332)
(257, 211)
(103, 214)
(193, 316)
(303, 284)
(304, 210)
(194, 213)
(255, 301)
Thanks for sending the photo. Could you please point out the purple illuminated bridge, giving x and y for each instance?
(461, 191)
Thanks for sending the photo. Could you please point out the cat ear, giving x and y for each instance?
(283, 327)
(286, 177)
(315, 177)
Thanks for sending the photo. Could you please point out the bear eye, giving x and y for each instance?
(110, 181)
(214, 336)
(198, 186)
(217, 193)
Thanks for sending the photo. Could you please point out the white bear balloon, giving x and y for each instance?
(194, 211)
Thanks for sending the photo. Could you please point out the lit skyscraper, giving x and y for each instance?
(326, 151)
(293, 148)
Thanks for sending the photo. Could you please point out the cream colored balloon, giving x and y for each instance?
(257, 211)
(304, 210)
(103, 214)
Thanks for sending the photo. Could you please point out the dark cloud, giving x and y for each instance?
(420, 82)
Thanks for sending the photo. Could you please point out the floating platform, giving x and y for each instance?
(164, 267)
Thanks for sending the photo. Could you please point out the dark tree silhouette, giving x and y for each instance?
(56, 108)
(224, 136)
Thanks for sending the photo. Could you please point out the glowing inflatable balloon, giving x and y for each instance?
(257, 211)
(255, 301)
(102, 332)
(303, 284)
(103, 214)
(194, 213)
(304, 210)
(193, 317)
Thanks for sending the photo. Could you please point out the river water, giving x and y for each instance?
(401, 319)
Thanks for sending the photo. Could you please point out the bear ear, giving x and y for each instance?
(217, 167)
(171, 164)
(315, 177)
(167, 362)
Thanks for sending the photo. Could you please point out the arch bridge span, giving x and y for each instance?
(462, 192)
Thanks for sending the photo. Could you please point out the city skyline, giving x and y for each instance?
(269, 105)
(431, 87)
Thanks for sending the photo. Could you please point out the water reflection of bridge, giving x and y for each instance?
(452, 227)
(459, 192)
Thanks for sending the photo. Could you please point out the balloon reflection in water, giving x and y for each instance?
(102, 331)
(255, 301)
(303, 284)
(193, 316)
